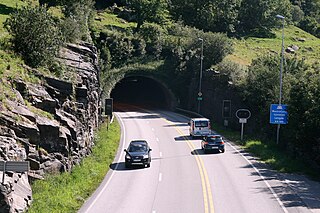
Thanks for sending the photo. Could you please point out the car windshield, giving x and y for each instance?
(214, 139)
(137, 148)
(201, 123)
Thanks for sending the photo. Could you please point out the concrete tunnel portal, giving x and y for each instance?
(143, 91)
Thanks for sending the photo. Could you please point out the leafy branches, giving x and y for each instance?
(35, 35)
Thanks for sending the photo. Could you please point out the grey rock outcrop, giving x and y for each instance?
(55, 129)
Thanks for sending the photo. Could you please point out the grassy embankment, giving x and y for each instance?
(68, 191)
(247, 49)
(269, 153)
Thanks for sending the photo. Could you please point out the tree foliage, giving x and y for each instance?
(304, 116)
(261, 14)
(76, 19)
(35, 35)
(149, 10)
(301, 91)
(212, 15)
(230, 16)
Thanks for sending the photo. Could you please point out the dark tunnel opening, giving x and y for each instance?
(141, 91)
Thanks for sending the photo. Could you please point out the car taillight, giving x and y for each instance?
(222, 142)
(206, 143)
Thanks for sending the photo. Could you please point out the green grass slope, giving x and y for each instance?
(247, 49)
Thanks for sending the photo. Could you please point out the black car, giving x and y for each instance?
(138, 153)
(212, 143)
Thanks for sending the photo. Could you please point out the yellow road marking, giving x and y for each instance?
(206, 187)
(203, 183)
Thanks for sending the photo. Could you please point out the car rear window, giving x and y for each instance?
(201, 123)
(137, 148)
(214, 139)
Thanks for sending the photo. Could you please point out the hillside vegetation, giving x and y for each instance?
(164, 39)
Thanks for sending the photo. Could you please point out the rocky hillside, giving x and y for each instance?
(51, 124)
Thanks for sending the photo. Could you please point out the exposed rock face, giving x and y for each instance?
(55, 131)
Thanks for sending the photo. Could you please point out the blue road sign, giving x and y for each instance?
(278, 114)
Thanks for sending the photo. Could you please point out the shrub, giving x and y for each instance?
(35, 35)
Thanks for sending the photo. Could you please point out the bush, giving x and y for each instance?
(35, 35)
(311, 25)
(152, 34)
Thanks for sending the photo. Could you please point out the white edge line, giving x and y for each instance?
(160, 177)
(263, 178)
(112, 171)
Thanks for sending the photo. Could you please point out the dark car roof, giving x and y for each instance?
(138, 146)
(138, 142)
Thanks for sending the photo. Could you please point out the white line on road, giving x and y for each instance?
(112, 171)
(157, 139)
(263, 178)
(152, 129)
(160, 153)
(160, 177)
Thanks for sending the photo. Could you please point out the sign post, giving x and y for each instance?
(243, 115)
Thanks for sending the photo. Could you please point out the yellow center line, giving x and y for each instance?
(207, 180)
(203, 183)
(206, 187)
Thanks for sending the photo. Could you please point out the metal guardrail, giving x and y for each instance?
(13, 166)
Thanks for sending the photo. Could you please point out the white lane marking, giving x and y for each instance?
(152, 129)
(263, 178)
(112, 171)
(157, 139)
(160, 177)
(160, 153)
(154, 211)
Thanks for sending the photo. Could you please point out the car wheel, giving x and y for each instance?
(205, 151)
(127, 165)
(222, 150)
(148, 165)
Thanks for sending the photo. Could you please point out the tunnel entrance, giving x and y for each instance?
(142, 91)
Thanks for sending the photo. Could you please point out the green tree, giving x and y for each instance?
(311, 25)
(212, 15)
(304, 116)
(35, 35)
(257, 15)
(78, 14)
(149, 10)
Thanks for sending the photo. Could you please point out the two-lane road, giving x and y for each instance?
(183, 179)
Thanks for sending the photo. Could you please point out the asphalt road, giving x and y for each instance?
(184, 179)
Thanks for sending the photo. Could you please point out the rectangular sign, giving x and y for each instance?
(278, 114)
(243, 120)
(109, 106)
(14, 166)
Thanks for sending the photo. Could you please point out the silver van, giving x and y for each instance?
(199, 127)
